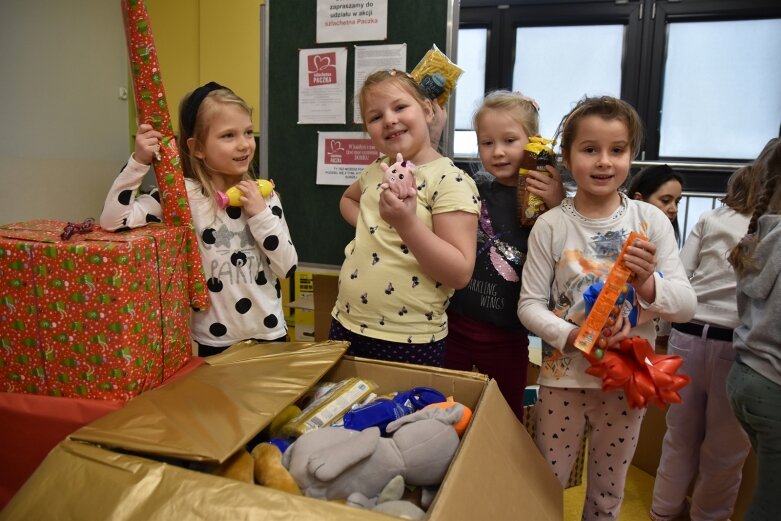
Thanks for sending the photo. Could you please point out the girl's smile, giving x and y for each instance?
(500, 142)
(398, 123)
(599, 158)
(229, 146)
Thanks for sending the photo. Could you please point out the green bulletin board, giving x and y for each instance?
(289, 150)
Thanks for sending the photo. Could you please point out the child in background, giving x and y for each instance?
(483, 326)
(408, 254)
(754, 382)
(244, 250)
(572, 247)
(662, 187)
(702, 426)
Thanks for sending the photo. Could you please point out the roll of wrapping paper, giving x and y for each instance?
(600, 313)
(152, 108)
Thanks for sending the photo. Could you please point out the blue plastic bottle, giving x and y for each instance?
(382, 411)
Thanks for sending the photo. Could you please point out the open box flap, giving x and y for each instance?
(81, 481)
(518, 483)
(219, 407)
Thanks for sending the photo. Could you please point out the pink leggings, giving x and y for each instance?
(562, 414)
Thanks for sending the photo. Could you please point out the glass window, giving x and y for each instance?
(471, 88)
(559, 65)
(720, 96)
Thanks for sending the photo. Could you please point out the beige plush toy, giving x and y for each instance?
(238, 467)
(269, 470)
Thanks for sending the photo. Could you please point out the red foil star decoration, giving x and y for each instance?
(645, 377)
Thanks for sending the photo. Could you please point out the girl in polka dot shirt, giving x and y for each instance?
(408, 253)
(245, 249)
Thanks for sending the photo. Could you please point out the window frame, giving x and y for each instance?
(694, 11)
(643, 61)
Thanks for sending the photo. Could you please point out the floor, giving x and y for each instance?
(637, 499)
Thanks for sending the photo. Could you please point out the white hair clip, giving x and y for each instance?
(527, 98)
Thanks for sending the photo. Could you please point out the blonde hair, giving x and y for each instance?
(400, 78)
(520, 108)
(608, 108)
(767, 168)
(192, 166)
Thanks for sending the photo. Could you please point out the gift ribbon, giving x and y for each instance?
(82, 227)
(152, 108)
(645, 377)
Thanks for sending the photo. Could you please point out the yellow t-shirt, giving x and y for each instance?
(382, 292)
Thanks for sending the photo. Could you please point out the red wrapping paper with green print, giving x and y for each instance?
(152, 108)
(103, 315)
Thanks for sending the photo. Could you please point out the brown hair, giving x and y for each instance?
(192, 166)
(607, 108)
(520, 108)
(742, 190)
(404, 80)
(768, 171)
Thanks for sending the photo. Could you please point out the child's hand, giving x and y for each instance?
(617, 332)
(641, 259)
(437, 125)
(252, 202)
(147, 144)
(397, 212)
(548, 188)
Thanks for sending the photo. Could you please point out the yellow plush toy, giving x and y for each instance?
(269, 470)
(238, 467)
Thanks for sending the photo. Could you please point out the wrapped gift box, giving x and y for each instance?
(102, 315)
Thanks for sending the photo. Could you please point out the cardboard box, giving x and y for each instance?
(123, 465)
(326, 287)
(102, 315)
(303, 306)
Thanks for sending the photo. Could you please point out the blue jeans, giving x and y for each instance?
(756, 402)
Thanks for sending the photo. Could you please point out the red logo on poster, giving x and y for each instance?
(350, 151)
(321, 69)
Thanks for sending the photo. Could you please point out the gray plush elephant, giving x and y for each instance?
(333, 462)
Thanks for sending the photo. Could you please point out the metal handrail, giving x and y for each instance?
(683, 165)
(675, 165)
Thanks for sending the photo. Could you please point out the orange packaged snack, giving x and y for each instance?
(604, 309)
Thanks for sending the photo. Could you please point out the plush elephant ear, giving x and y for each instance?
(330, 462)
(449, 416)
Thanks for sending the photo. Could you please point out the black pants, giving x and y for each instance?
(204, 350)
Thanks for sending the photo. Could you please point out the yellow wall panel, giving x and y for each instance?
(230, 48)
(176, 26)
(206, 40)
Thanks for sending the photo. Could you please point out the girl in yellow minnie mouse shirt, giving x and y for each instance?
(408, 255)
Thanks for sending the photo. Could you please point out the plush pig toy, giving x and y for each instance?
(399, 178)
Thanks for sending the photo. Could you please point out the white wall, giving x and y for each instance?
(64, 131)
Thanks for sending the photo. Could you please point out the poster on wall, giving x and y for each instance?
(342, 155)
(322, 85)
(369, 58)
(351, 20)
